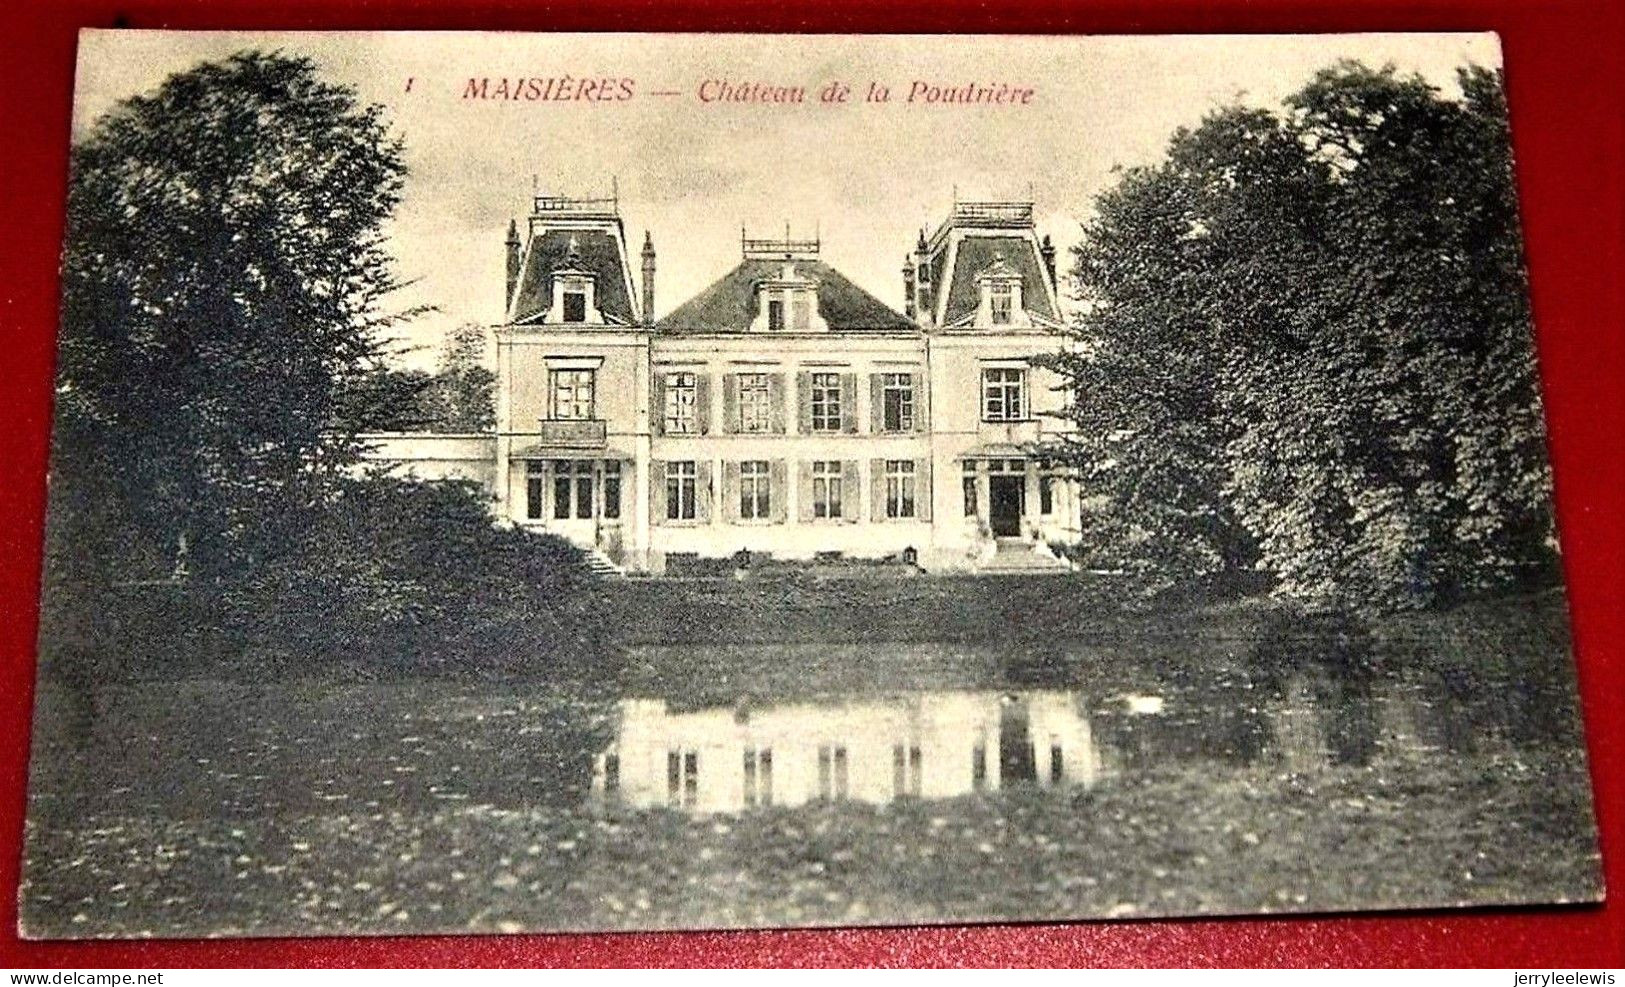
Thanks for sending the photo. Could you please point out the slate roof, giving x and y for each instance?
(976, 254)
(600, 254)
(729, 304)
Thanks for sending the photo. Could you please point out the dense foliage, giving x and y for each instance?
(223, 350)
(461, 396)
(1306, 350)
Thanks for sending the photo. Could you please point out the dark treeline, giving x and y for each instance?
(223, 352)
(1306, 352)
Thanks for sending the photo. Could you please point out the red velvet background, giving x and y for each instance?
(1565, 65)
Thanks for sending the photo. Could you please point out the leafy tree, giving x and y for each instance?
(1306, 349)
(223, 277)
(392, 400)
(463, 389)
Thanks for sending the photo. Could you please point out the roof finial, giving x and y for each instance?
(574, 257)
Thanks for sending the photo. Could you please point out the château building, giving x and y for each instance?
(783, 410)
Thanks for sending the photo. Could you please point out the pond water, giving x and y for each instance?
(1292, 768)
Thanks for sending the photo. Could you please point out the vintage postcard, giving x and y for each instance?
(513, 482)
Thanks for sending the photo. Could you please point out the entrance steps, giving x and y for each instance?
(1017, 555)
(598, 564)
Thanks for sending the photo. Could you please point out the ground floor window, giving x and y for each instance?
(826, 488)
(680, 491)
(535, 490)
(900, 488)
(682, 778)
(572, 489)
(1057, 762)
(1046, 495)
(905, 769)
(612, 490)
(978, 768)
(574, 484)
(970, 489)
(755, 490)
(832, 772)
(758, 777)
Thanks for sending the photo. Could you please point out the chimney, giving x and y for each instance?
(648, 279)
(1048, 251)
(908, 287)
(924, 304)
(513, 263)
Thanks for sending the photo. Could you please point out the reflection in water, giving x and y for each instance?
(1297, 696)
(927, 745)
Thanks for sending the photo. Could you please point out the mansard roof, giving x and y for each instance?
(599, 253)
(978, 253)
(729, 304)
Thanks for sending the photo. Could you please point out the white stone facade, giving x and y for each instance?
(783, 411)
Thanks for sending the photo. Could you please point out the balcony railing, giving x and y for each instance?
(557, 205)
(993, 213)
(754, 248)
(574, 433)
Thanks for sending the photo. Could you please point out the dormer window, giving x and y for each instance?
(575, 306)
(574, 288)
(999, 304)
(787, 302)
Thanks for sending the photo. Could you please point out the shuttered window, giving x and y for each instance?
(900, 488)
(826, 488)
(755, 491)
(826, 402)
(680, 491)
(755, 403)
(681, 401)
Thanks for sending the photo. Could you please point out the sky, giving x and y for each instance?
(864, 177)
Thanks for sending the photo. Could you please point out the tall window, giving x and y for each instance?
(905, 769)
(682, 778)
(1057, 762)
(832, 772)
(899, 488)
(758, 777)
(1004, 394)
(978, 768)
(612, 490)
(897, 402)
(755, 403)
(1046, 495)
(755, 496)
(535, 484)
(826, 488)
(1000, 300)
(575, 306)
(682, 391)
(826, 402)
(680, 491)
(572, 395)
(775, 315)
(572, 488)
(970, 489)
